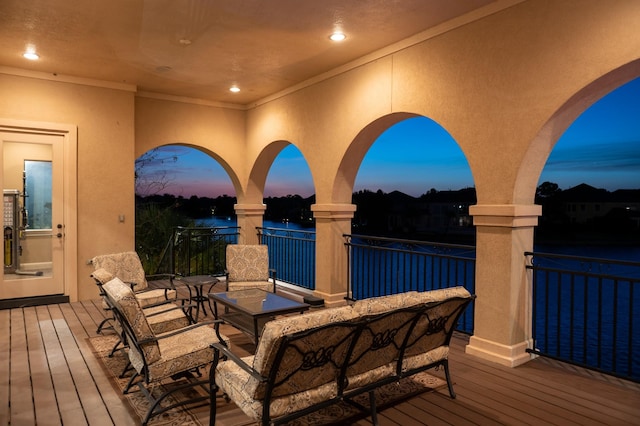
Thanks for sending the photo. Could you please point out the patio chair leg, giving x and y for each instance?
(125, 369)
(130, 383)
(213, 392)
(448, 376)
(115, 348)
(374, 410)
(102, 324)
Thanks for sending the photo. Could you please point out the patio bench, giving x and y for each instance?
(308, 362)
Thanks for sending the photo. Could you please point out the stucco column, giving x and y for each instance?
(502, 327)
(332, 222)
(249, 217)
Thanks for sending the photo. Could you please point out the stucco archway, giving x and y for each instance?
(250, 208)
(541, 146)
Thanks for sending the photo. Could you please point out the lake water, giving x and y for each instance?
(216, 221)
(618, 252)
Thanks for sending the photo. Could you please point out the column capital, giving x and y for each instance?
(506, 215)
(333, 211)
(250, 209)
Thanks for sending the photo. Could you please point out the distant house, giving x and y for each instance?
(584, 204)
(436, 212)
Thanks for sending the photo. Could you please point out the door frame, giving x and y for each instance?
(69, 135)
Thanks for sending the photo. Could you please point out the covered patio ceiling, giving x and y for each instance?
(200, 48)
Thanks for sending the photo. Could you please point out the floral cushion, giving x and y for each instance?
(154, 296)
(125, 265)
(183, 352)
(102, 275)
(380, 341)
(238, 385)
(127, 304)
(432, 328)
(272, 337)
(107, 268)
(377, 305)
(165, 318)
(425, 358)
(247, 262)
(242, 285)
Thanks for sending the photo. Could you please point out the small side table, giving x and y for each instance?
(195, 285)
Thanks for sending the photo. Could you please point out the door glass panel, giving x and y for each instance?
(28, 195)
(37, 192)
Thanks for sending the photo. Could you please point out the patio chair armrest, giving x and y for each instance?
(169, 308)
(153, 277)
(166, 302)
(225, 353)
(175, 332)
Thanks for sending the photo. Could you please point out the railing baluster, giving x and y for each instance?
(600, 293)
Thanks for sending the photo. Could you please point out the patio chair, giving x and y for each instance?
(158, 358)
(128, 267)
(162, 317)
(248, 267)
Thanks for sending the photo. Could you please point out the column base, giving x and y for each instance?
(509, 356)
(331, 300)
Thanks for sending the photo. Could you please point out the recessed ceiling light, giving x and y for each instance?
(234, 89)
(337, 36)
(31, 54)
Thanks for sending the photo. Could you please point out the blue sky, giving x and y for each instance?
(601, 148)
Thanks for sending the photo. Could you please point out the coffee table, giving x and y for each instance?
(248, 310)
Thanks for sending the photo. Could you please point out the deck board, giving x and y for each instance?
(45, 404)
(83, 325)
(68, 403)
(20, 398)
(5, 359)
(45, 354)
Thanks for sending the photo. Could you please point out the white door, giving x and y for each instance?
(33, 210)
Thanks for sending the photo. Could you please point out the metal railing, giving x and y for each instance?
(382, 266)
(292, 253)
(198, 250)
(586, 311)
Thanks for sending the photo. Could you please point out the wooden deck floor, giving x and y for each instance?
(50, 376)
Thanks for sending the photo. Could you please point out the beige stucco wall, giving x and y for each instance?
(105, 151)
(218, 131)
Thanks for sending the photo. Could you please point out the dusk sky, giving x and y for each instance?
(601, 148)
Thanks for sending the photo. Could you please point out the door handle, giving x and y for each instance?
(59, 234)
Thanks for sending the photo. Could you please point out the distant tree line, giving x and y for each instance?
(578, 214)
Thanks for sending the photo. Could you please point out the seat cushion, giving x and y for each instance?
(272, 337)
(154, 296)
(238, 384)
(184, 351)
(426, 358)
(166, 318)
(243, 285)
